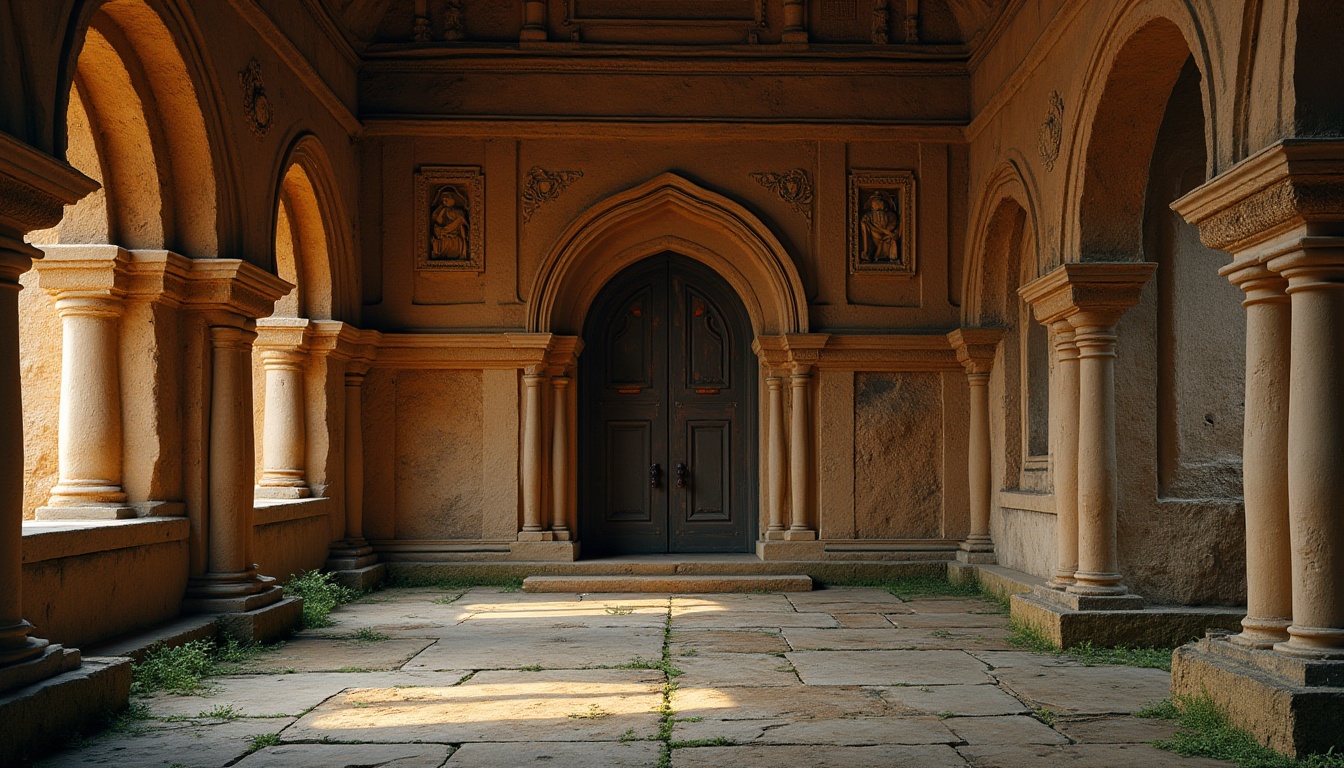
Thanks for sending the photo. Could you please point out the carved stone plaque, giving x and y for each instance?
(882, 222)
(450, 218)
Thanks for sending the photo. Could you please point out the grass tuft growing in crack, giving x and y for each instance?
(182, 669)
(321, 594)
(1204, 730)
(1029, 638)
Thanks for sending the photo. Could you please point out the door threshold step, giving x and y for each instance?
(669, 584)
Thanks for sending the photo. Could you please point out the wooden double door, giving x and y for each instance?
(667, 414)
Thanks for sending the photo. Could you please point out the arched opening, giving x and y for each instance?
(667, 407)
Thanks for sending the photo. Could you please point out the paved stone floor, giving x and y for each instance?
(837, 677)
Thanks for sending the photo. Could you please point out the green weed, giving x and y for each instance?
(1204, 730)
(369, 635)
(1030, 638)
(262, 741)
(321, 594)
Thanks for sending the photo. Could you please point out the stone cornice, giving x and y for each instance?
(35, 187)
(83, 270)
(1104, 287)
(889, 353)
(976, 348)
(232, 286)
(1292, 184)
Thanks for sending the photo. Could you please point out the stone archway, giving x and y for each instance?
(668, 213)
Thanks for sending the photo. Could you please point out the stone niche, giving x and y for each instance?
(898, 455)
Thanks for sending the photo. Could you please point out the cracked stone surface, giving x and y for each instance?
(484, 677)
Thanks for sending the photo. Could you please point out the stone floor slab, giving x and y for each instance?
(1122, 729)
(596, 705)
(161, 745)
(348, 755)
(851, 732)
(890, 638)
(270, 695)
(1087, 690)
(557, 755)
(950, 700)
(948, 620)
(861, 620)
(507, 647)
(323, 654)
(705, 670)
(832, 757)
(741, 602)
(823, 668)
(1010, 729)
(696, 617)
(1082, 756)
(802, 703)
(726, 641)
(940, 605)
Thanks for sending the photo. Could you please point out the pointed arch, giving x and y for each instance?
(668, 213)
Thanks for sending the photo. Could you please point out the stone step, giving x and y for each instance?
(666, 584)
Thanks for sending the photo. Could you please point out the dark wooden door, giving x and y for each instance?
(667, 414)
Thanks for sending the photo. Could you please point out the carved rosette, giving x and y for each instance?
(450, 219)
(793, 187)
(1051, 133)
(257, 109)
(541, 186)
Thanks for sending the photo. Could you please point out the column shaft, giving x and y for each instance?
(1064, 452)
(354, 458)
(90, 411)
(978, 464)
(284, 434)
(1098, 562)
(776, 459)
(15, 644)
(800, 454)
(231, 452)
(532, 453)
(1269, 590)
(1315, 445)
(560, 455)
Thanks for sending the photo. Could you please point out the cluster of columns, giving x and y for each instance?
(976, 349)
(547, 443)
(1280, 213)
(789, 362)
(1081, 303)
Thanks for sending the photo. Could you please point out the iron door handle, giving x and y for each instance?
(681, 474)
(655, 472)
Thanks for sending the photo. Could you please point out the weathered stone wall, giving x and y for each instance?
(898, 455)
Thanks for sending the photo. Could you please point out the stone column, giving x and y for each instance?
(800, 455)
(976, 349)
(284, 452)
(354, 457)
(1092, 296)
(1269, 591)
(777, 477)
(560, 457)
(87, 285)
(1064, 452)
(1315, 274)
(534, 21)
(795, 30)
(533, 530)
(15, 643)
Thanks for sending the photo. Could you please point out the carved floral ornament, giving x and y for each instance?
(449, 219)
(882, 222)
(541, 186)
(256, 106)
(793, 187)
(1051, 133)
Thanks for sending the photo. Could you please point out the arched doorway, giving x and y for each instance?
(667, 414)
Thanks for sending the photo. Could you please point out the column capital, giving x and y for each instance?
(976, 347)
(1261, 206)
(232, 287)
(1101, 290)
(84, 272)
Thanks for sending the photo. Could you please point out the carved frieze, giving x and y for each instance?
(882, 222)
(256, 106)
(1051, 133)
(793, 186)
(541, 186)
(450, 218)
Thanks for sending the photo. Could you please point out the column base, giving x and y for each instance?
(1263, 634)
(800, 534)
(49, 661)
(1061, 580)
(790, 549)
(529, 35)
(86, 512)
(1313, 643)
(350, 553)
(976, 549)
(16, 647)
(226, 586)
(543, 550)
(1051, 613)
(262, 617)
(1097, 584)
(282, 492)
(794, 37)
(1290, 704)
(45, 713)
(536, 536)
(1084, 602)
(269, 594)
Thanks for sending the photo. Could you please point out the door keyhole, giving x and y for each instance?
(655, 472)
(681, 474)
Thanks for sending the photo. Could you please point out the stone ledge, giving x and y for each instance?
(1296, 720)
(38, 716)
(1153, 626)
(360, 579)
(668, 584)
(271, 511)
(53, 539)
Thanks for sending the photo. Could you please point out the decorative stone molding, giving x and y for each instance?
(454, 27)
(1051, 133)
(232, 287)
(1295, 184)
(257, 110)
(976, 348)
(1107, 288)
(881, 22)
(541, 186)
(793, 187)
(882, 222)
(450, 218)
